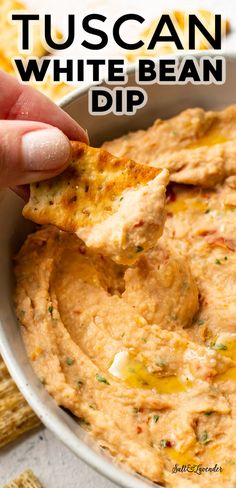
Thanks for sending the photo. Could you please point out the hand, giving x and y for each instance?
(34, 134)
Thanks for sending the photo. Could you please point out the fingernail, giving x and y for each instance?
(45, 149)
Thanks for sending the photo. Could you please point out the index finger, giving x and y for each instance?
(22, 102)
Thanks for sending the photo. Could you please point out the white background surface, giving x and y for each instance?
(52, 462)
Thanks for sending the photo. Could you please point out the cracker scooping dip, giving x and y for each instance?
(114, 205)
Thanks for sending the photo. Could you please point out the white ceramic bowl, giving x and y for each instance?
(163, 101)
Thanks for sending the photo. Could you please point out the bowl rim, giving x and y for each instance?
(105, 467)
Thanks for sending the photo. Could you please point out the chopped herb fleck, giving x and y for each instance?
(50, 309)
(204, 438)
(80, 383)
(121, 198)
(220, 347)
(156, 418)
(43, 381)
(131, 370)
(209, 413)
(143, 339)
(161, 362)
(217, 261)
(200, 321)
(93, 406)
(135, 410)
(69, 361)
(225, 258)
(173, 316)
(83, 421)
(207, 210)
(122, 335)
(165, 443)
(139, 249)
(102, 379)
(231, 462)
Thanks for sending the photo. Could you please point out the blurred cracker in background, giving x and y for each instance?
(9, 36)
(16, 417)
(9, 42)
(27, 479)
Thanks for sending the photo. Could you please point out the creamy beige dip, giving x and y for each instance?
(145, 356)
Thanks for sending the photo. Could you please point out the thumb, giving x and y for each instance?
(31, 151)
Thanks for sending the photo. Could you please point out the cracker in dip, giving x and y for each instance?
(114, 205)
